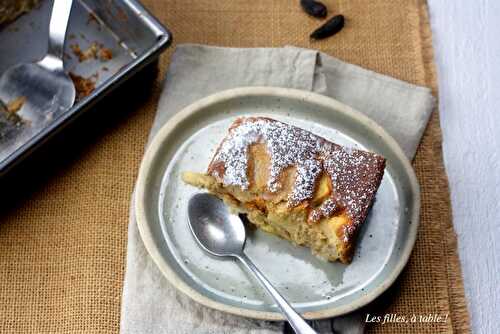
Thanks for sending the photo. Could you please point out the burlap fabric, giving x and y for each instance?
(64, 214)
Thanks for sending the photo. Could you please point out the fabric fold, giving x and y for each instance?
(214, 69)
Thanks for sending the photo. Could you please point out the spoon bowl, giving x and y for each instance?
(47, 92)
(217, 230)
(222, 233)
(44, 85)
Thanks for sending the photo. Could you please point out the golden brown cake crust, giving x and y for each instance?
(355, 175)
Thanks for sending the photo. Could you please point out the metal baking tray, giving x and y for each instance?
(134, 37)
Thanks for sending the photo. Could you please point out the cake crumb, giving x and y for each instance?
(94, 51)
(10, 121)
(93, 18)
(15, 105)
(89, 53)
(105, 54)
(83, 86)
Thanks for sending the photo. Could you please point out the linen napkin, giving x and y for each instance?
(150, 304)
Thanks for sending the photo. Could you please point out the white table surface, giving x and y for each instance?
(466, 36)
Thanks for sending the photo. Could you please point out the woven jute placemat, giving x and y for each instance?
(64, 213)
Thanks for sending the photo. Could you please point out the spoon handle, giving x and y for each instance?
(295, 320)
(57, 27)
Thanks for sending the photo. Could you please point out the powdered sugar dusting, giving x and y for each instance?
(329, 207)
(355, 174)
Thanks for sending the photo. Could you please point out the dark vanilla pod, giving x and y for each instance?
(330, 28)
(314, 8)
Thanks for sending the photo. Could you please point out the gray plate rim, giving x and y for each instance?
(178, 119)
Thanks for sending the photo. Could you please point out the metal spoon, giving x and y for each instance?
(222, 234)
(45, 85)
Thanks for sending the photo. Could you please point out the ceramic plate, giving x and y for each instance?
(316, 288)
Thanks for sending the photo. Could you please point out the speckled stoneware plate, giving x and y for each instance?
(316, 288)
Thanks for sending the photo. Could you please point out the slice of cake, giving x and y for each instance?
(294, 184)
(11, 9)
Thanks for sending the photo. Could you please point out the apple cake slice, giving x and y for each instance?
(294, 184)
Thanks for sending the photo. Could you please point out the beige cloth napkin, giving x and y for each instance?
(150, 304)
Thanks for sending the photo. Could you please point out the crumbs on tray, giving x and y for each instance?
(94, 51)
(15, 105)
(83, 86)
